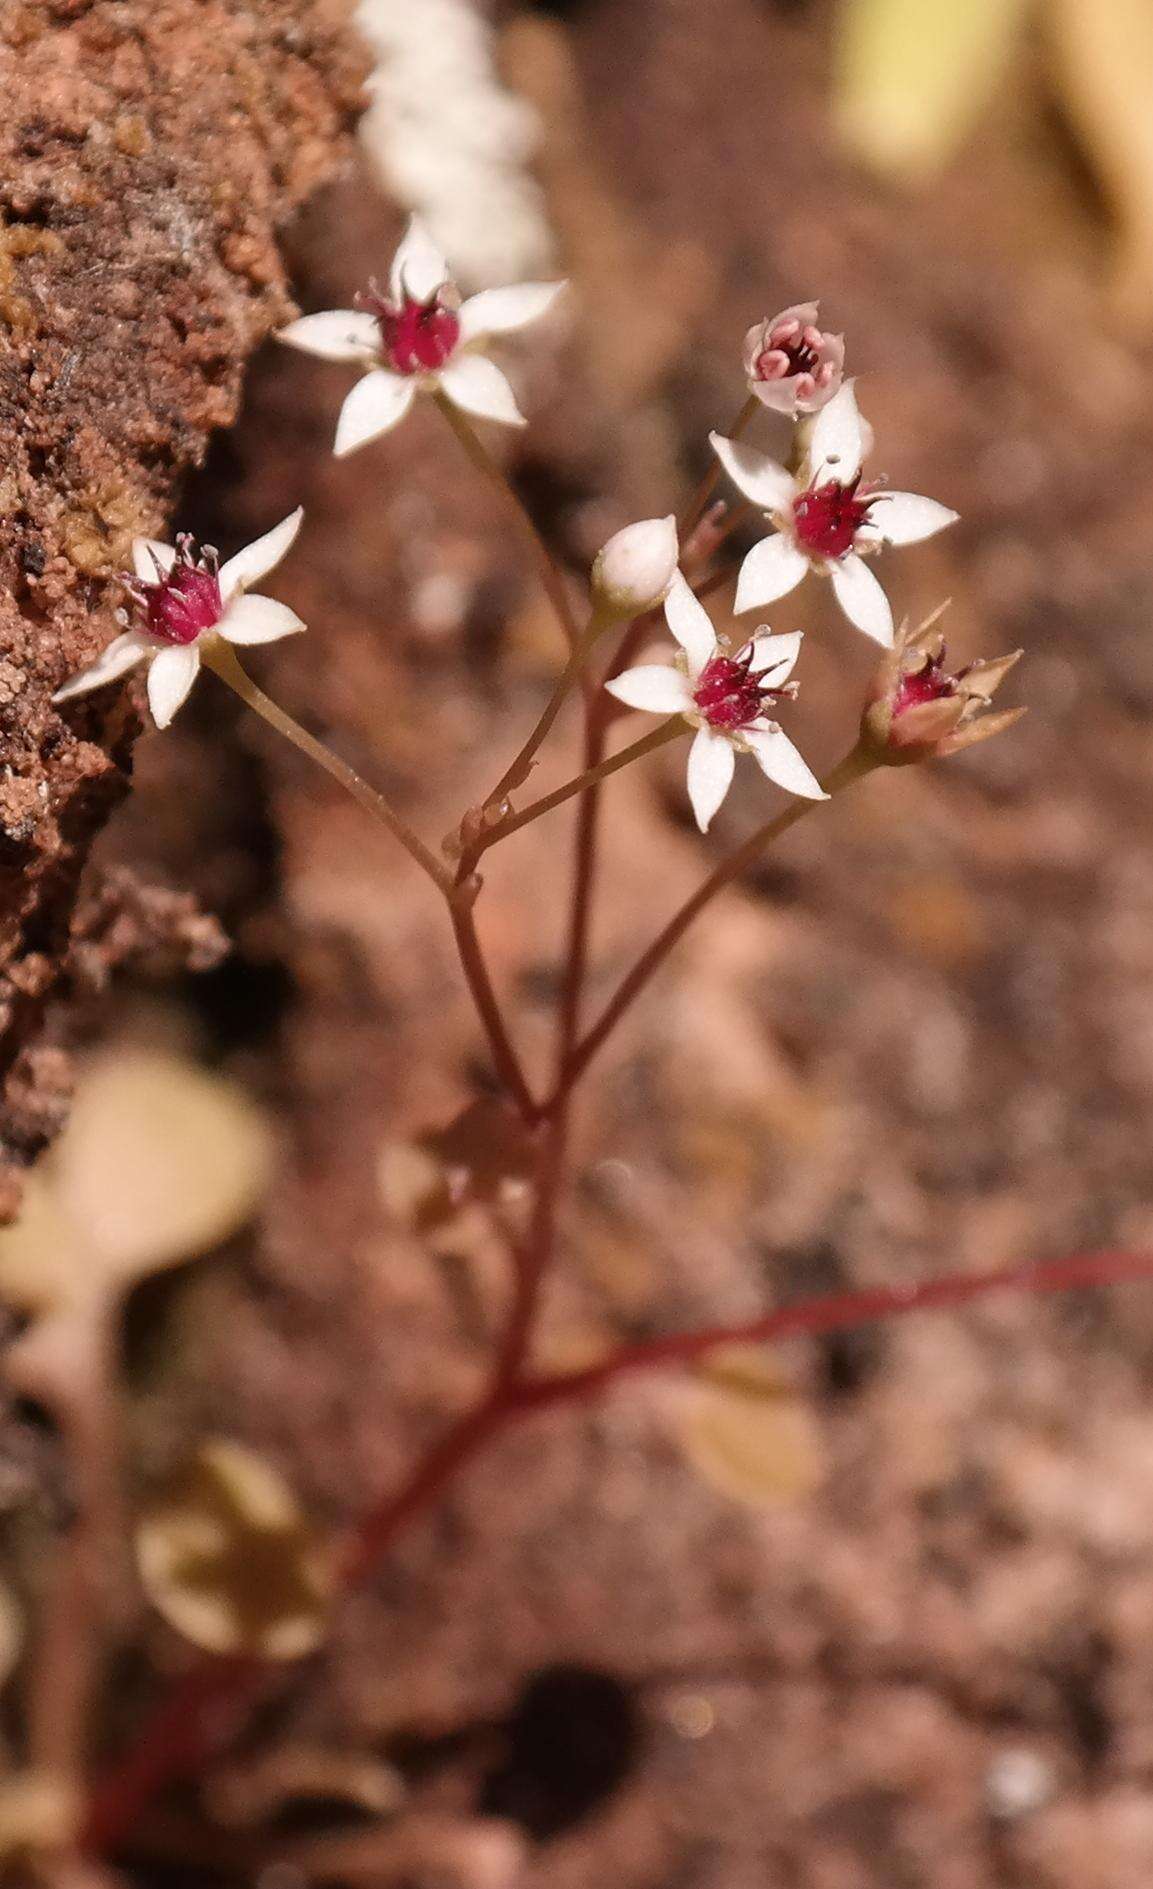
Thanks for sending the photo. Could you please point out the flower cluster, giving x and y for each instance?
(420, 335)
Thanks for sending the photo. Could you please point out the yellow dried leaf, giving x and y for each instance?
(747, 1434)
(41, 1254)
(160, 1161)
(228, 1558)
(38, 1813)
(1102, 58)
(914, 76)
(11, 1633)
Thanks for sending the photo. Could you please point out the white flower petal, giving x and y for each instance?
(257, 620)
(147, 553)
(170, 677)
(755, 474)
(503, 311)
(260, 557)
(376, 404)
(691, 624)
(906, 518)
(771, 570)
(837, 443)
(418, 268)
(711, 763)
(476, 384)
(654, 686)
(777, 654)
(779, 760)
(122, 654)
(340, 334)
(862, 599)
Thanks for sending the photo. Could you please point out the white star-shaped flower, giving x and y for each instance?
(184, 597)
(827, 522)
(420, 337)
(723, 696)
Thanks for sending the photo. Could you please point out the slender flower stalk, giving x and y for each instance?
(858, 762)
(519, 769)
(698, 505)
(475, 968)
(222, 661)
(600, 770)
(552, 578)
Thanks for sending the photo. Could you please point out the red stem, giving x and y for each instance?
(504, 1056)
(202, 1706)
(814, 1318)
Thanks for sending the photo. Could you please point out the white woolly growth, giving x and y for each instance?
(451, 142)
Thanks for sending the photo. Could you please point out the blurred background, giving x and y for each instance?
(872, 1613)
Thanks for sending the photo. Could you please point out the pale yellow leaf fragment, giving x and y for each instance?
(11, 1633)
(229, 1559)
(912, 77)
(160, 1161)
(747, 1433)
(1102, 58)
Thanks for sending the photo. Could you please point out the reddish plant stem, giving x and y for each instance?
(472, 960)
(668, 731)
(814, 1318)
(699, 503)
(857, 762)
(207, 1701)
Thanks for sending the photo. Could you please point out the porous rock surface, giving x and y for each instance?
(148, 153)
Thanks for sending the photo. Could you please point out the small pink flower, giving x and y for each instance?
(723, 696)
(418, 337)
(183, 595)
(828, 522)
(792, 365)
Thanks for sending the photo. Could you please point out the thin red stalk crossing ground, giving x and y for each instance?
(205, 1705)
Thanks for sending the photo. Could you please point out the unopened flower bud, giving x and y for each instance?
(635, 569)
(918, 710)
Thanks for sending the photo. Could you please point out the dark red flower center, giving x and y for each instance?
(828, 517)
(729, 696)
(930, 683)
(184, 602)
(416, 337)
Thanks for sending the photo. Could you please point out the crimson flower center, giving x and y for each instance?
(417, 337)
(185, 602)
(931, 683)
(728, 695)
(828, 517)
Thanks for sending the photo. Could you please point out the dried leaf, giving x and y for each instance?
(11, 1633)
(914, 76)
(747, 1433)
(160, 1161)
(38, 1813)
(1102, 57)
(41, 1254)
(229, 1559)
